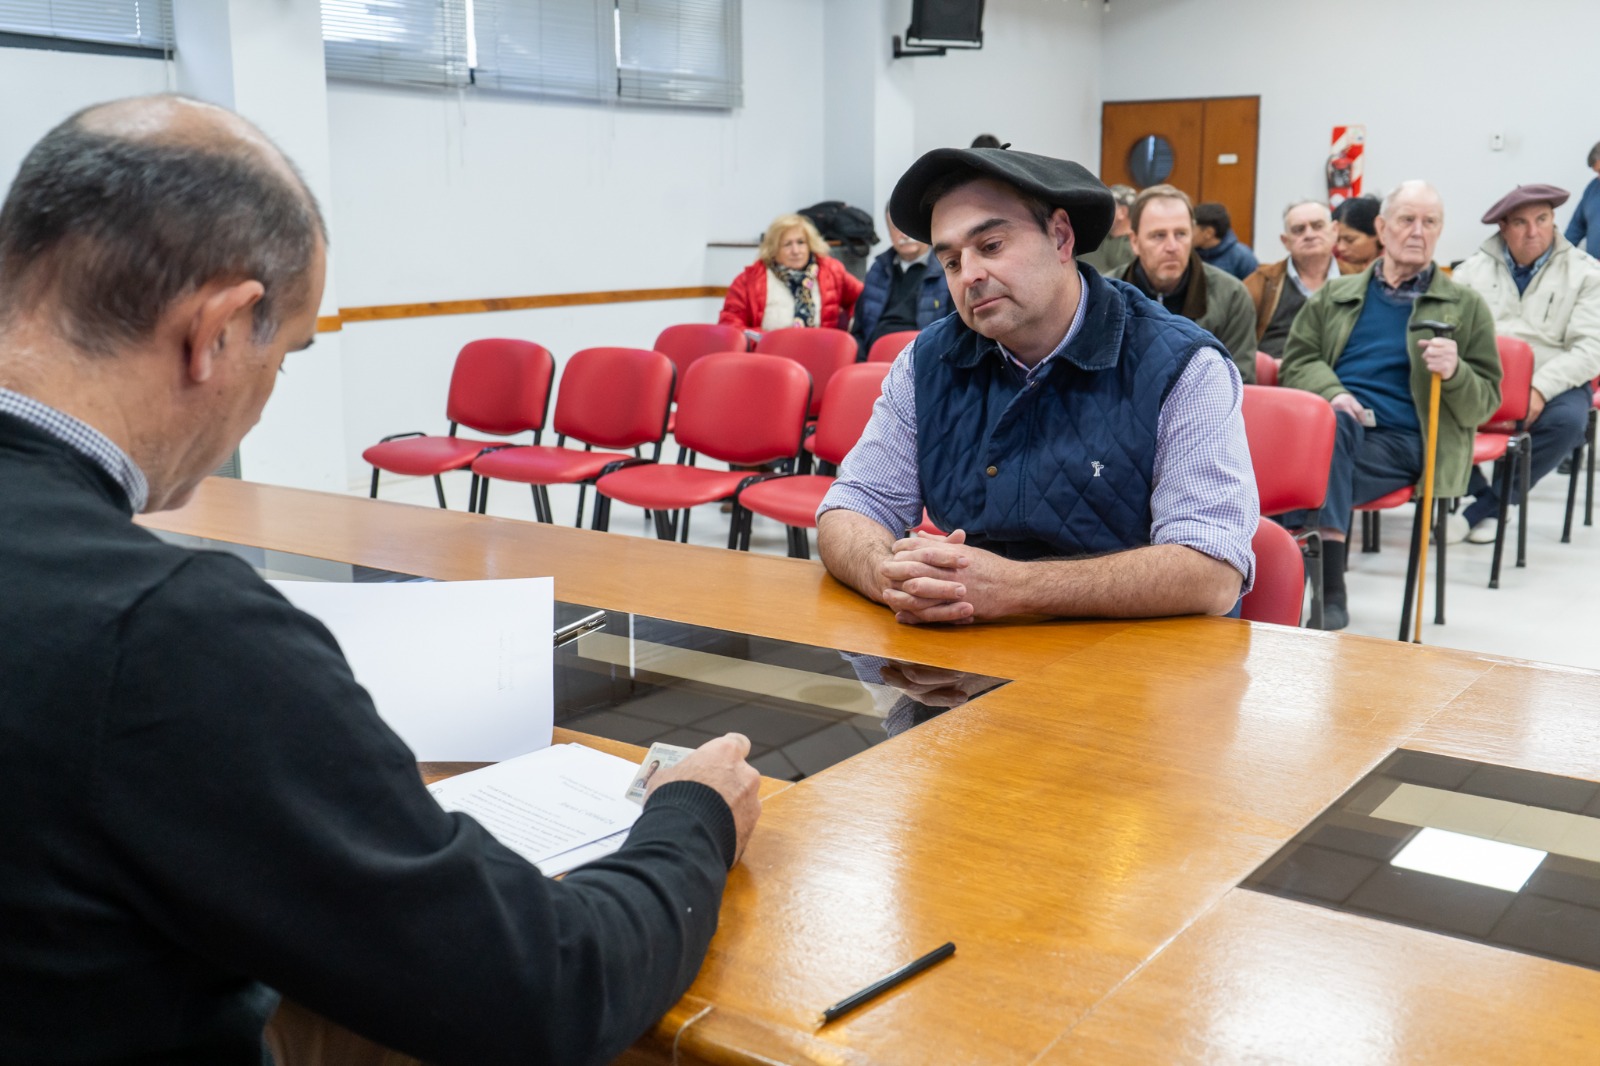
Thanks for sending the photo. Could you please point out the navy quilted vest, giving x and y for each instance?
(1062, 465)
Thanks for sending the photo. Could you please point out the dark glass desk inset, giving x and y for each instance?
(1503, 856)
(642, 680)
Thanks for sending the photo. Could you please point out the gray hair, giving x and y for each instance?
(1123, 194)
(115, 229)
(1309, 202)
(1594, 155)
(1414, 185)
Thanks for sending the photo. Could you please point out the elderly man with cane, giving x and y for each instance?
(1352, 344)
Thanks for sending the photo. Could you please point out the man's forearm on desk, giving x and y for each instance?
(853, 547)
(1152, 582)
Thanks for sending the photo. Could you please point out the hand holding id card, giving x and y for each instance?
(661, 757)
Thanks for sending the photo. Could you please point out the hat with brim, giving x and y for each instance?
(1522, 196)
(1058, 182)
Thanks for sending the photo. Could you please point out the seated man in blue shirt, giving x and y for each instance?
(1352, 345)
(905, 290)
(1584, 228)
(1084, 447)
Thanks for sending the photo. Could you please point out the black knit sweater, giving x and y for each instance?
(203, 811)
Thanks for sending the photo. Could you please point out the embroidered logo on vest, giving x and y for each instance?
(1098, 466)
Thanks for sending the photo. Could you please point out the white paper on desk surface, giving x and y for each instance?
(462, 670)
(557, 808)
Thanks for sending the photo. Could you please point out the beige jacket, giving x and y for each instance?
(1559, 314)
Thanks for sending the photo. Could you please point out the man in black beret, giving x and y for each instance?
(1542, 290)
(1083, 447)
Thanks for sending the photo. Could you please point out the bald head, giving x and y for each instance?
(129, 205)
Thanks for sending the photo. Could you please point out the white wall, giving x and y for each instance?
(1433, 82)
(38, 89)
(1035, 82)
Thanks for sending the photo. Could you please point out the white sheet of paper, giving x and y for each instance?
(462, 670)
(557, 808)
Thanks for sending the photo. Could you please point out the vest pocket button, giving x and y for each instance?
(992, 471)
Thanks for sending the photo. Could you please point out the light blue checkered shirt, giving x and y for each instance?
(1204, 492)
(84, 438)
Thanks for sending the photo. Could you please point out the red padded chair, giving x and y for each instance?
(888, 347)
(1291, 433)
(609, 398)
(685, 343)
(1266, 369)
(734, 407)
(1279, 592)
(499, 387)
(1504, 441)
(793, 498)
(822, 352)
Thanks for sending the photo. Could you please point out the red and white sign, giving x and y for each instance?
(1345, 163)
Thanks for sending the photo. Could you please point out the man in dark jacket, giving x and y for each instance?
(1218, 245)
(905, 290)
(1167, 270)
(206, 810)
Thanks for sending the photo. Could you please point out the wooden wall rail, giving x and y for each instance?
(383, 312)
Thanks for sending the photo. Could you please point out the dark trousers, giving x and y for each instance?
(1367, 463)
(1559, 430)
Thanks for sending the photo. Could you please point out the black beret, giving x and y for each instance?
(1058, 182)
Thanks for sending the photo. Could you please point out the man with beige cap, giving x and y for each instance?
(1542, 290)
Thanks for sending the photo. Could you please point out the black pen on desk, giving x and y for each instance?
(899, 977)
(573, 630)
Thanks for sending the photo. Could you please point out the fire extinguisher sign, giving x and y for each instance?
(1345, 163)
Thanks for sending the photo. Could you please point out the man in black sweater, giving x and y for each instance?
(205, 811)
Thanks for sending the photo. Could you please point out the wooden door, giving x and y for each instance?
(1213, 149)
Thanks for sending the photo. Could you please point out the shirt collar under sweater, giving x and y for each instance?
(83, 438)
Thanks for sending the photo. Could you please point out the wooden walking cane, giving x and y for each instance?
(1425, 515)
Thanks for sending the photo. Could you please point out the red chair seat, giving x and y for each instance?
(426, 456)
(545, 465)
(790, 500)
(1279, 593)
(1397, 498)
(1487, 447)
(670, 487)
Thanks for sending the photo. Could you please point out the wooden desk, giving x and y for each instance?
(1077, 833)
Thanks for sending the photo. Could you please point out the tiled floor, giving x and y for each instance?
(1548, 611)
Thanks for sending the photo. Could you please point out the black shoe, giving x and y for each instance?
(1335, 616)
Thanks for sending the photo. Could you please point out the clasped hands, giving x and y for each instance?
(930, 578)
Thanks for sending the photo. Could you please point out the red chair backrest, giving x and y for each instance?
(1516, 382)
(1266, 369)
(1290, 433)
(615, 397)
(823, 352)
(688, 342)
(846, 406)
(1280, 589)
(501, 386)
(740, 407)
(890, 345)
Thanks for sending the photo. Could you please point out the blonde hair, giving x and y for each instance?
(782, 225)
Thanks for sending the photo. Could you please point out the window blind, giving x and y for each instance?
(396, 42)
(682, 52)
(549, 47)
(129, 23)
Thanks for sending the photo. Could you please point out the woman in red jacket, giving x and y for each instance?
(794, 282)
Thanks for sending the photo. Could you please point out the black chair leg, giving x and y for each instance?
(1371, 531)
(1439, 526)
(1572, 493)
(1525, 461)
(802, 543)
(1411, 572)
(1502, 471)
(480, 495)
(684, 531)
(582, 489)
(374, 483)
(438, 488)
(1314, 568)
(1588, 488)
(602, 511)
(744, 530)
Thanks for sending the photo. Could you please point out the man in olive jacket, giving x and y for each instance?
(1351, 344)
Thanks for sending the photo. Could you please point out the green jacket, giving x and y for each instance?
(1320, 330)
